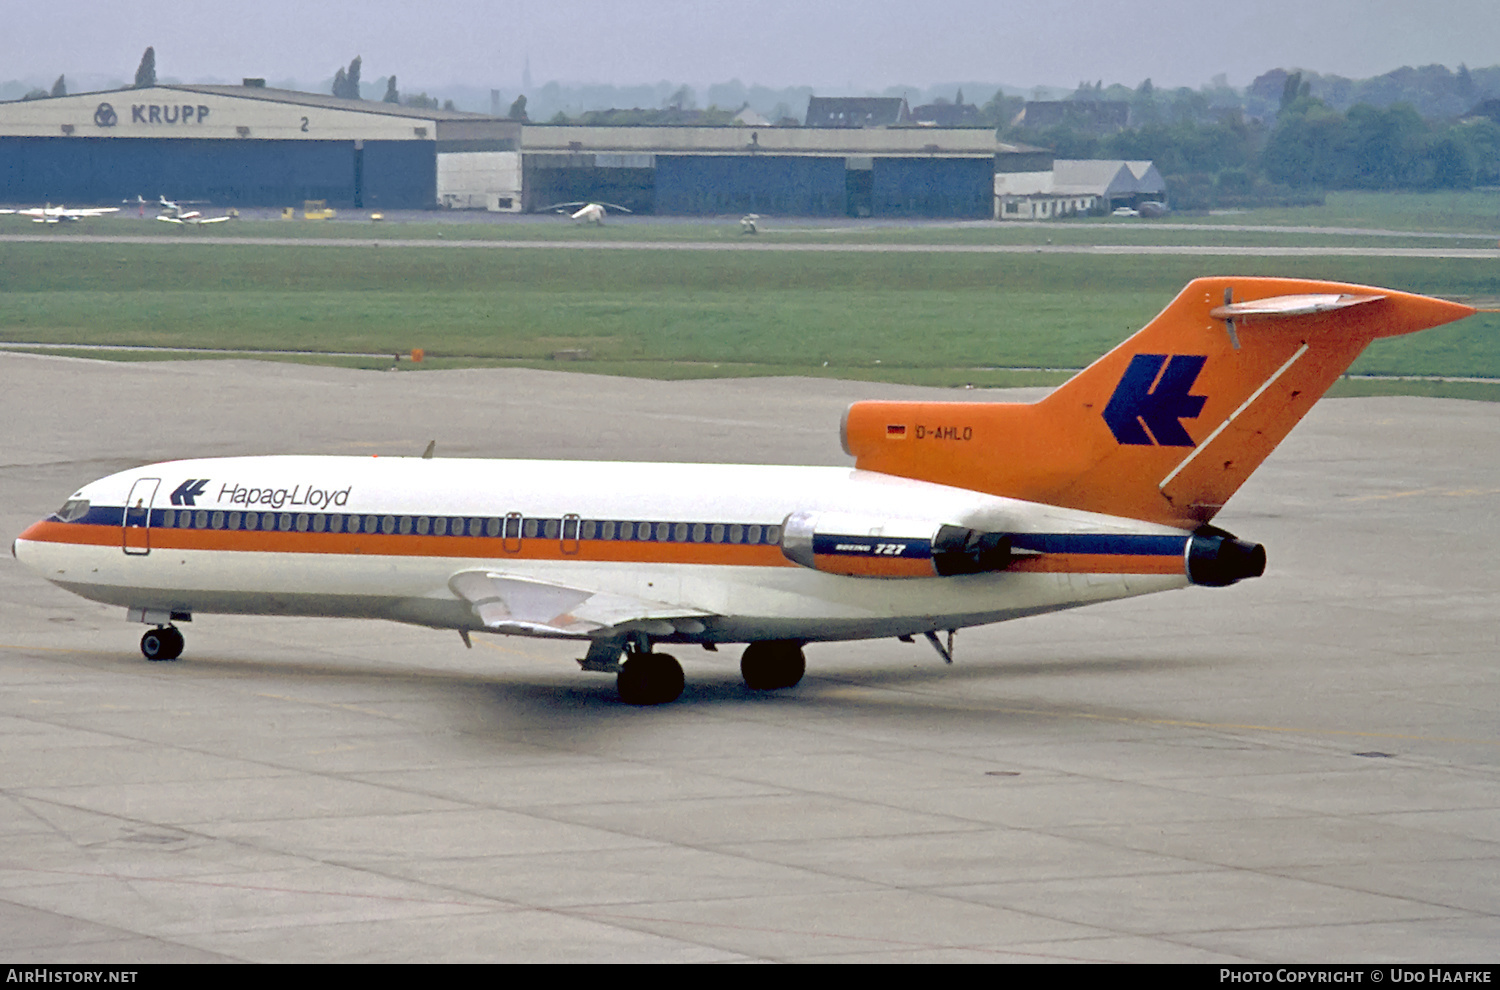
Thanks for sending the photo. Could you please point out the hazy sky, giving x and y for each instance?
(871, 44)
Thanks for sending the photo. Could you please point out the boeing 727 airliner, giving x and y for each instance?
(953, 515)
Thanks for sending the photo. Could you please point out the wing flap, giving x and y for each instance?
(509, 603)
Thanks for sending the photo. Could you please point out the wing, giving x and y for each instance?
(508, 603)
(215, 219)
(617, 207)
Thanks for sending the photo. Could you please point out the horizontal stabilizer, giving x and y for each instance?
(1284, 306)
(507, 603)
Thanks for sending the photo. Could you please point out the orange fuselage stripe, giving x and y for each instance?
(606, 551)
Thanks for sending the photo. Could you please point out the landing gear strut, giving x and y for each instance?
(773, 664)
(649, 679)
(164, 643)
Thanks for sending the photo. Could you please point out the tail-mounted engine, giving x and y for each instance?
(865, 546)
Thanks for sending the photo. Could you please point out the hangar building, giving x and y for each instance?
(787, 171)
(252, 146)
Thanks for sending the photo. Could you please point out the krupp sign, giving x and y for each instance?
(167, 113)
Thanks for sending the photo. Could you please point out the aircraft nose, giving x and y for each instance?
(28, 548)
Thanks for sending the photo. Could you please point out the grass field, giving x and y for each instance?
(942, 319)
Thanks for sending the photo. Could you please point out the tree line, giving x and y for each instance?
(1212, 153)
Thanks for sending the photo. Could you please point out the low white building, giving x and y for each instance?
(1074, 187)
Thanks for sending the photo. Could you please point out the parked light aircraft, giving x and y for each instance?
(593, 213)
(62, 214)
(194, 218)
(954, 514)
(173, 212)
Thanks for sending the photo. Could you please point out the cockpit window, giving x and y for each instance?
(73, 509)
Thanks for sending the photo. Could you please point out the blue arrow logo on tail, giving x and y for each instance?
(189, 490)
(1137, 407)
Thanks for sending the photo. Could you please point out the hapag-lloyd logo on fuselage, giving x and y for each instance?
(234, 493)
(309, 495)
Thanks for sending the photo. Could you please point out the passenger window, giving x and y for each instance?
(492, 526)
(700, 532)
(736, 534)
(217, 522)
(606, 530)
(680, 532)
(200, 519)
(773, 534)
(303, 522)
(440, 526)
(550, 528)
(663, 532)
(717, 534)
(588, 529)
(320, 522)
(529, 529)
(251, 520)
(285, 523)
(405, 526)
(753, 535)
(423, 525)
(388, 525)
(234, 520)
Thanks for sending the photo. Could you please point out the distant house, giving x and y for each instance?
(1092, 116)
(1077, 186)
(857, 111)
(956, 114)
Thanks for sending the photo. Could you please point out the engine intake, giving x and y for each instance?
(956, 550)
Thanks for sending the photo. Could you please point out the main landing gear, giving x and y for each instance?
(773, 664)
(644, 677)
(164, 643)
(649, 679)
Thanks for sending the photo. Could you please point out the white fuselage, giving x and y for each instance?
(381, 537)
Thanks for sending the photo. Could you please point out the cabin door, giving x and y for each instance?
(137, 535)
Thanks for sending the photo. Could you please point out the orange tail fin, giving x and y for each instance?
(1169, 424)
